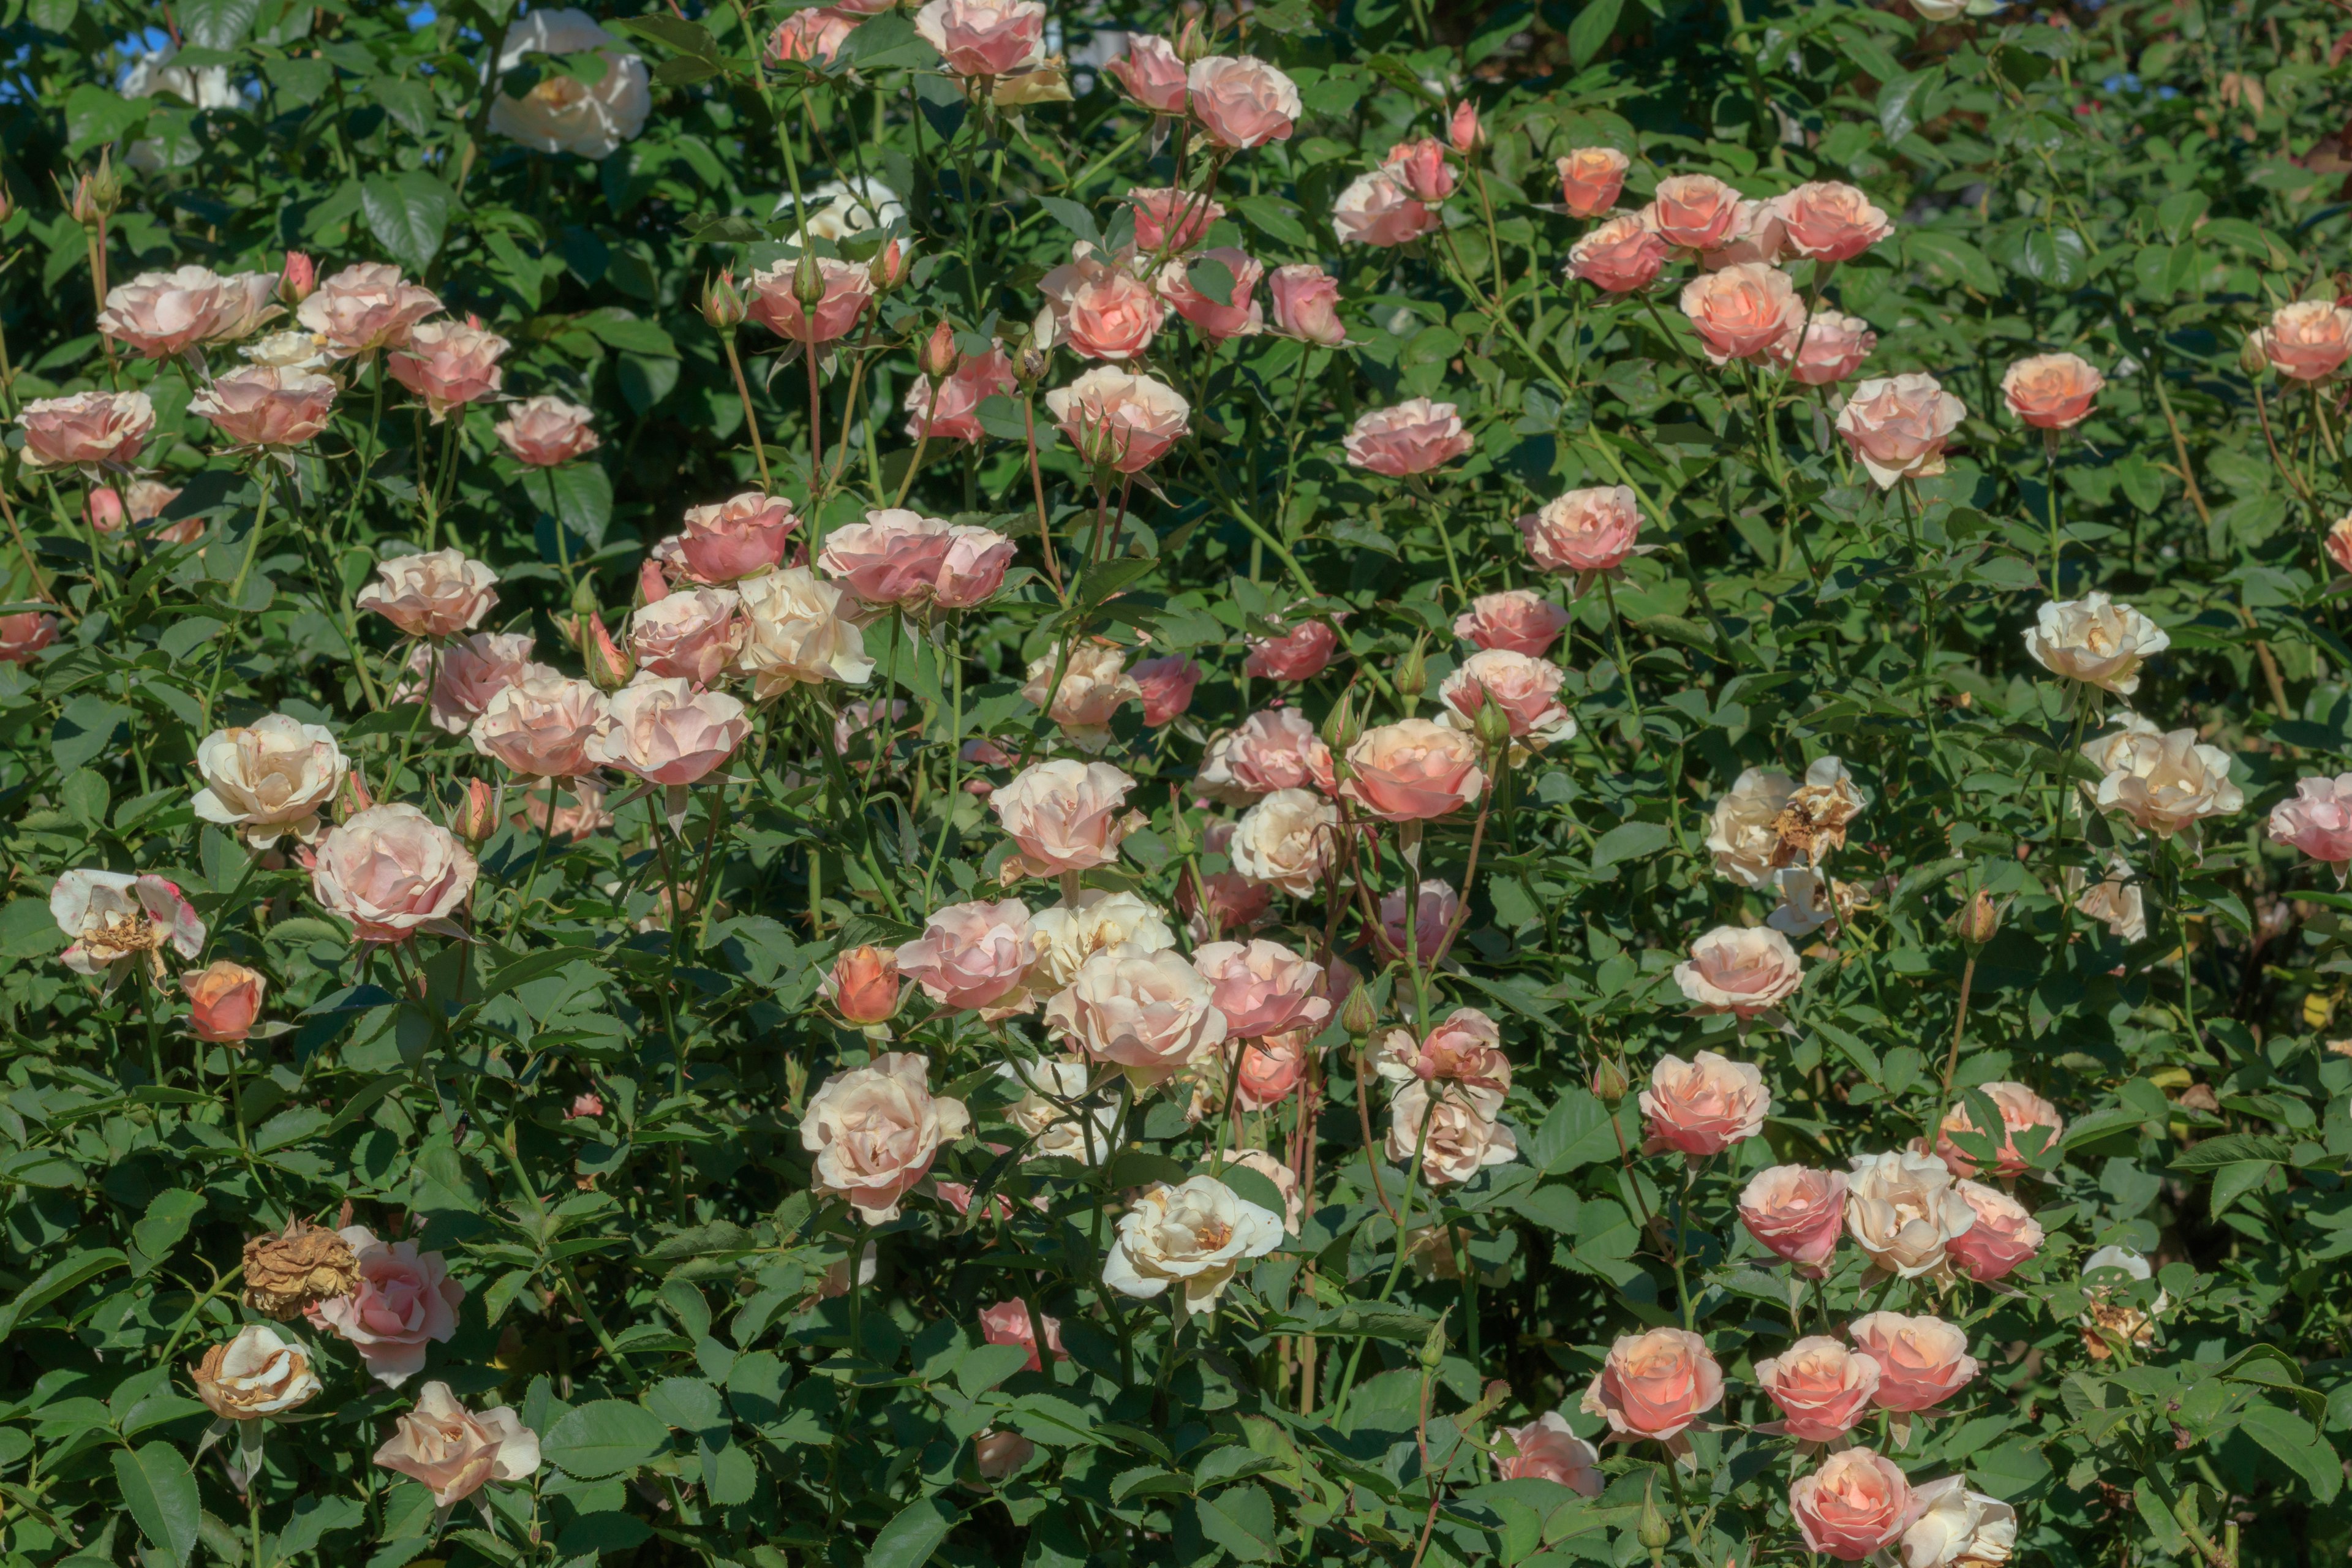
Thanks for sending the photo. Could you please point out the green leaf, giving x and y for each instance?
(27, 930)
(1275, 218)
(2232, 1148)
(672, 32)
(54, 1281)
(2292, 1439)
(98, 114)
(687, 1402)
(1241, 1519)
(84, 730)
(1589, 32)
(159, 1230)
(886, 42)
(161, 1493)
(216, 24)
(1073, 217)
(605, 1437)
(408, 214)
(1629, 841)
(908, 1540)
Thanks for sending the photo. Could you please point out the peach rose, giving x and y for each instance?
(1420, 168)
(2022, 1110)
(984, 38)
(1705, 1105)
(1412, 771)
(1413, 438)
(584, 815)
(1798, 1214)
(1756, 234)
(453, 1451)
(116, 918)
(1739, 970)
(2004, 1235)
(1098, 306)
(666, 732)
(434, 593)
(893, 557)
(269, 779)
(1377, 209)
(1742, 310)
(2339, 541)
(848, 289)
(1153, 77)
(1150, 1014)
(1167, 685)
(1074, 930)
(863, 984)
(258, 1374)
(1306, 305)
(223, 1001)
(1455, 1134)
(1065, 816)
(1548, 1451)
(2051, 392)
(815, 36)
(159, 314)
(1830, 221)
(1656, 1385)
(2096, 641)
(1169, 219)
(1525, 689)
(1125, 421)
(539, 726)
(1302, 653)
(1517, 621)
(366, 307)
(1095, 686)
(1619, 256)
(1584, 531)
(25, 634)
(1243, 101)
(948, 409)
(86, 429)
(1287, 841)
(1900, 1209)
(1277, 749)
(740, 537)
(2308, 341)
(970, 955)
(1262, 988)
(392, 871)
(1828, 347)
(1694, 212)
(1238, 315)
(449, 365)
(1591, 179)
(1853, 1506)
(473, 670)
(875, 1132)
(1270, 1070)
(1465, 1049)
(1823, 1389)
(1009, 1323)
(2317, 820)
(2163, 782)
(692, 636)
(403, 1300)
(1922, 1361)
(798, 634)
(1898, 427)
(1436, 907)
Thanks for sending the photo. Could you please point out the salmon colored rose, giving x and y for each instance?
(1413, 770)
(1828, 347)
(1167, 685)
(1100, 308)
(86, 429)
(1171, 220)
(1262, 987)
(1065, 816)
(1742, 310)
(1242, 101)
(432, 594)
(456, 1452)
(1656, 1385)
(1548, 1451)
(848, 289)
(392, 872)
(1413, 438)
(545, 431)
(863, 985)
(1898, 427)
(1853, 1507)
(2309, 340)
(1823, 1389)
(1618, 256)
(1306, 305)
(1798, 1212)
(2022, 1111)
(1591, 179)
(1517, 621)
(1302, 653)
(875, 1132)
(1153, 77)
(2004, 1235)
(1692, 212)
(970, 955)
(223, 1001)
(1705, 1105)
(1831, 221)
(2051, 392)
(1922, 1361)
(403, 1300)
(1125, 421)
(1740, 970)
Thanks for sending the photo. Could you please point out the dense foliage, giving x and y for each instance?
(1404, 715)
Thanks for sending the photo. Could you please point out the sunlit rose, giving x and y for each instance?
(1377, 209)
(1898, 427)
(1798, 1212)
(1694, 212)
(798, 632)
(1413, 438)
(1243, 101)
(86, 429)
(402, 1301)
(546, 431)
(1900, 1209)
(449, 365)
(1153, 77)
(1518, 621)
(434, 593)
(1828, 347)
(1656, 1385)
(1149, 1014)
(1456, 1135)
(875, 1132)
(1922, 1361)
(562, 113)
(2022, 1110)
(1618, 256)
(1823, 1389)
(392, 871)
(1100, 307)
(1830, 221)
(1705, 1105)
(1853, 1507)
(1170, 219)
(1740, 970)
(848, 289)
(1125, 421)
(1288, 840)
(1306, 305)
(984, 38)
(1591, 179)
(2309, 340)
(2004, 1235)
(269, 779)
(366, 307)
(456, 1452)
(2051, 392)
(1194, 1238)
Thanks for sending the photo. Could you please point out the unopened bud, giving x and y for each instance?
(298, 279)
(1465, 134)
(353, 797)
(1979, 920)
(1029, 366)
(80, 205)
(1494, 725)
(1608, 1082)
(939, 356)
(1653, 1531)
(1100, 443)
(1432, 1349)
(1343, 724)
(106, 185)
(1412, 674)
(653, 583)
(808, 281)
(477, 816)
(2252, 358)
(1193, 43)
(723, 304)
(1357, 1015)
(609, 669)
(890, 266)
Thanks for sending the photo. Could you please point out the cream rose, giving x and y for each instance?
(1095, 686)
(2164, 784)
(1740, 971)
(1064, 816)
(798, 634)
(1900, 1208)
(456, 1452)
(2095, 641)
(1052, 1111)
(875, 1132)
(1455, 1138)
(1150, 1014)
(1063, 936)
(270, 778)
(1194, 1236)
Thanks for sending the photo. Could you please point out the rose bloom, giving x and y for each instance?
(1287, 841)
(1239, 316)
(539, 726)
(449, 365)
(1956, 1528)
(2020, 1109)
(740, 537)
(1705, 1105)
(1009, 1323)
(1922, 1361)
(798, 634)
(1420, 168)
(2317, 820)
(1525, 689)
(1853, 1506)
(160, 314)
(1276, 749)
(666, 732)
(2309, 340)
(875, 1132)
(1167, 685)
(259, 1373)
(1270, 1070)
(434, 593)
(456, 1452)
(1065, 816)
(561, 113)
(1436, 907)
(2004, 1235)
(270, 778)
(1412, 771)
(1194, 1236)
(815, 36)
(546, 431)
(1828, 347)
(970, 955)
(1742, 310)
(1656, 1385)
(1517, 621)
(2096, 641)
(1798, 1214)
(1548, 1451)
(1619, 256)
(1126, 421)
(86, 429)
(862, 985)
(2339, 541)
(1465, 1050)
(1376, 209)
(1898, 427)
(1095, 686)
(890, 558)
(403, 1300)
(1054, 1113)
(1243, 101)
(1262, 988)
(949, 410)
(1695, 211)
(473, 670)
(1167, 218)
(1221, 904)
(2051, 392)
(848, 289)
(585, 1106)
(691, 636)
(26, 634)
(1302, 653)
(261, 407)
(1740, 970)
(1757, 235)
(1823, 1389)
(1413, 438)
(391, 871)
(1900, 1208)
(1100, 306)
(2165, 783)
(1153, 77)
(1830, 221)
(984, 38)
(1584, 531)
(1591, 179)
(223, 1001)
(366, 307)
(141, 500)
(1150, 1014)
(116, 918)
(1456, 1135)
(1066, 935)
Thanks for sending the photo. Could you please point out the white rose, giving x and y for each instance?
(1461, 1140)
(839, 209)
(2165, 783)
(1956, 1526)
(2095, 641)
(1086, 1134)
(1287, 840)
(1214, 780)
(875, 1132)
(1740, 832)
(799, 635)
(1195, 1235)
(562, 113)
(1901, 1209)
(270, 778)
(1068, 935)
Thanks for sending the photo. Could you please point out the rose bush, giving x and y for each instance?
(1011, 782)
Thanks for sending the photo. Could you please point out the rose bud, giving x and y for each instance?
(1465, 134)
(863, 986)
(608, 668)
(477, 816)
(224, 1000)
(940, 353)
(299, 278)
(721, 304)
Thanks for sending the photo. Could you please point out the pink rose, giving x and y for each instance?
(1740, 970)
(1009, 1323)
(1435, 906)
(1853, 1506)
(1093, 687)
(26, 634)
(539, 726)
(365, 306)
(456, 1452)
(815, 36)
(692, 636)
(848, 289)
(1548, 1451)
(1756, 234)
(1525, 689)
(1125, 421)
(892, 558)
(948, 409)
(1705, 1105)
(546, 431)
(160, 314)
(1618, 256)
(1239, 315)
(1306, 305)
(1278, 749)
(1694, 212)
(734, 539)
(86, 429)
(1262, 988)
(972, 568)
(1147, 1013)
(2317, 820)
(223, 1001)
(1412, 771)
(1830, 221)
(1376, 209)
(1463, 133)
(1590, 178)
(2022, 1110)
(984, 38)
(1742, 310)
(1823, 1389)
(970, 955)
(2308, 339)
(1065, 816)
(1797, 1213)
(1221, 904)
(1518, 621)
(585, 1106)
(666, 732)
(1302, 653)
(432, 594)
(1243, 101)
(1827, 349)
(1922, 1361)
(473, 670)
(2051, 392)
(392, 872)
(875, 1132)
(1167, 686)
(1413, 438)
(1152, 76)
(1898, 427)
(2004, 1235)
(1656, 1385)
(1168, 219)
(1271, 1070)
(403, 1300)
(1100, 306)
(1420, 168)
(1464, 1049)
(261, 406)
(117, 919)
(1584, 531)
(449, 365)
